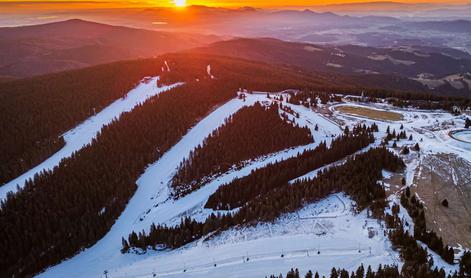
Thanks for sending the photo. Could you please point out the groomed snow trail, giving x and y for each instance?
(326, 226)
(306, 242)
(83, 134)
(152, 203)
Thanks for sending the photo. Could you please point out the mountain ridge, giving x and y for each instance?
(52, 47)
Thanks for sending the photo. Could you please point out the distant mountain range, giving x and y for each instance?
(310, 25)
(26, 51)
(53, 47)
(394, 68)
(453, 26)
(33, 50)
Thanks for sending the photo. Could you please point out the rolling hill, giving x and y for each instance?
(392, 68)
(34, 50)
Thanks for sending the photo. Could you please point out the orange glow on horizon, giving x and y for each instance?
(211, 3)
(36, 6)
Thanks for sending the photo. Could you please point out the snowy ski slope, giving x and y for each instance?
(82, 135)
(152, 202)
(318, 237)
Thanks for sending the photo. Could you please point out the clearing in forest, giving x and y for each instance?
(370, 113)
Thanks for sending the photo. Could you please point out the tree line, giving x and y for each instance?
(310, 98)
(260, 181)
(417, 262)
(414, 256)
(251, 132)
(383, 271)
(416, 210)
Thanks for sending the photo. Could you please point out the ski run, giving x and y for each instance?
(319, 236)
(82, 135)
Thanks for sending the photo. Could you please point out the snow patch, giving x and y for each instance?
(391, 59)
(332, 65)
(208, 71)
(311, 48)
(166, 65)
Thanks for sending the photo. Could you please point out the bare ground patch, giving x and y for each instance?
(370, 113)
(440, 177)
(394, 183)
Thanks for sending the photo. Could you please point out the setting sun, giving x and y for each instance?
(180, 3)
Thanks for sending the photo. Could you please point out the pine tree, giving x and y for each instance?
(125, 245)
(360, 271)
(465, 264)
(467, 123)
(416, 147)
(333, 273)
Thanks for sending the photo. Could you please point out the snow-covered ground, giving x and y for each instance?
(152, 202)
(328, 226)
(319, 236)
(431, 129)
(77, 138)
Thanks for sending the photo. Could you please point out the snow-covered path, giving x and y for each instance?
(298, 239)
(152, 203)
(83, 134)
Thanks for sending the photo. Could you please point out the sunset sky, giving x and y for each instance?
(219, 3)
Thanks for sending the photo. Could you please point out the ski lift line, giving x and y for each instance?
(298, 253)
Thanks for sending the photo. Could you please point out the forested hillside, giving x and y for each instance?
(37, 111)
(264, 180)
(251, 132)
(71, 207)
(357, 177)
(377, 67)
